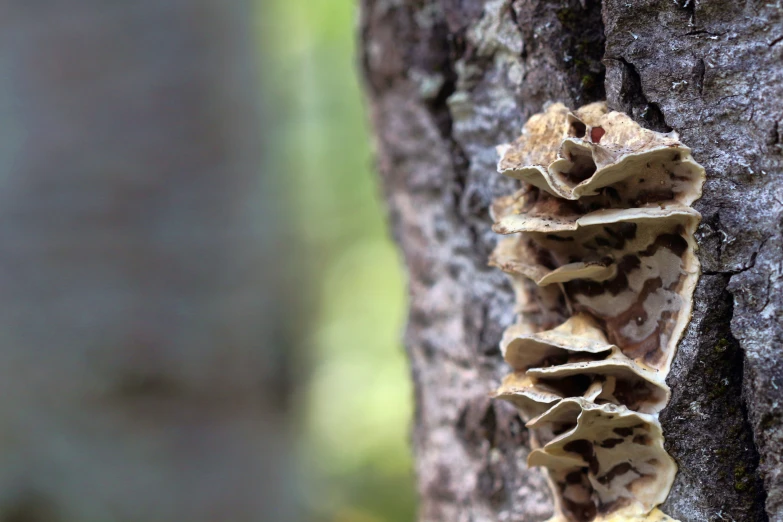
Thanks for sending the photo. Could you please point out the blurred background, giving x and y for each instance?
(201, 310)
(357, 397)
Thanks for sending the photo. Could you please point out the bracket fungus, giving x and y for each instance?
(603, 227)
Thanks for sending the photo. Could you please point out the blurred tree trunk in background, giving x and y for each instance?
(447, 81)
(141, 308)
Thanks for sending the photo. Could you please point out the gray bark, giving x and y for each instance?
(140, 312)
(447, 81)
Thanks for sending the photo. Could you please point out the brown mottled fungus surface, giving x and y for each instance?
(603, 228)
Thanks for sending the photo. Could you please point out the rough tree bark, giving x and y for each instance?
(140, 312)
(448, 80)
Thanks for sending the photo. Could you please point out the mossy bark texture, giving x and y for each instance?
(447, 80)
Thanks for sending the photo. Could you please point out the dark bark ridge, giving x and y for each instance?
(447, 81)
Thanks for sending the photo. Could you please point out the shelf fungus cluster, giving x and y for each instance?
(600, 249)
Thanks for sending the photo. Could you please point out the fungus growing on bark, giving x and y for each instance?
(604, 227)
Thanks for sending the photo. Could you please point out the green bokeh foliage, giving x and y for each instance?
(356, 463)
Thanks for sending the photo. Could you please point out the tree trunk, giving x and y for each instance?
(449, 80)
(141, 313)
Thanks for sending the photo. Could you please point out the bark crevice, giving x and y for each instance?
(633, 101)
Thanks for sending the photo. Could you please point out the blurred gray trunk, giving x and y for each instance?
(448, 80)
(139, 297)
